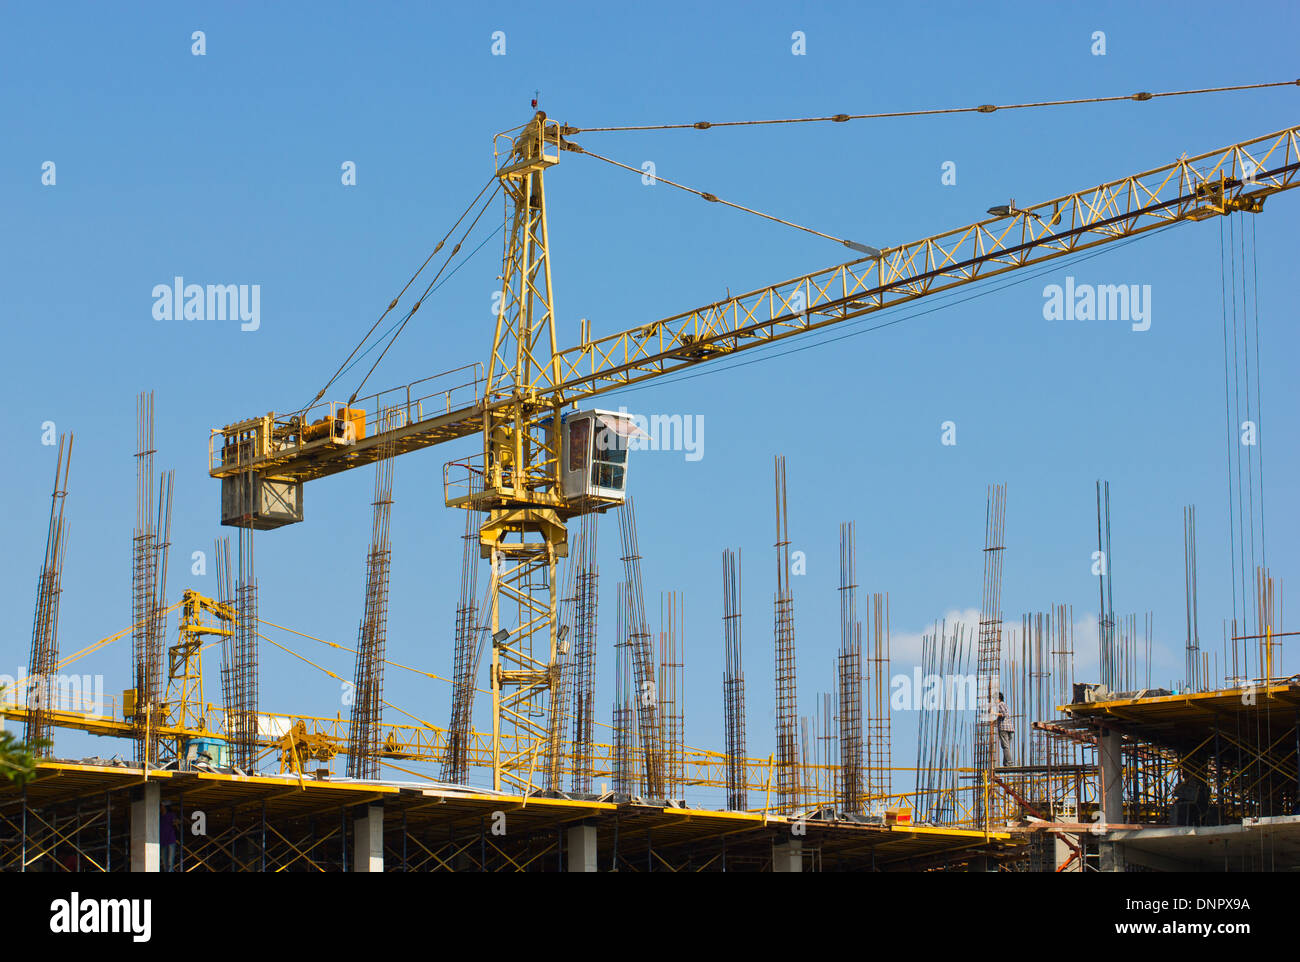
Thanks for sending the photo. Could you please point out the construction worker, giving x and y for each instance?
(1189, 800)
(1006, 730)
(167, 839)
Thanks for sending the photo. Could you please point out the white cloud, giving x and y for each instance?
(905, 647)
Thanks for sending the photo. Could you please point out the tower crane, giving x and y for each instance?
(543, 461)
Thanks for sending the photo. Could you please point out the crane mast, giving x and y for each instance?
(525, 530)
(518, 405)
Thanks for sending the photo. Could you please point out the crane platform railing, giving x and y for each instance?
(314, 440)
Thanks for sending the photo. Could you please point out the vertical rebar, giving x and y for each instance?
(849, 676)
(990, 644)
(733, 683)
(455, 765)
(45, 624)
(372, 634)
(584, 661)
(647, 701)
(787, 713)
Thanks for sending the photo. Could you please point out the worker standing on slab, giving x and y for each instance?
(167, 837)
(1006, 730)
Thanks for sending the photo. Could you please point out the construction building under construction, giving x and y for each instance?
(1108, 772)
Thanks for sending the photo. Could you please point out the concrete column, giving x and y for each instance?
(368, 838)
(581, 843)
(1110, 763)
(146, 855)
(1109, 758)
(787, 856)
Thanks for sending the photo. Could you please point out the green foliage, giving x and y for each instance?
(17, 758)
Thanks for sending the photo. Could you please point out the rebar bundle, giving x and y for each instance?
(1063, 751)
(626, 770)
(225, 581)
(826, 756)
(239, 670)
(1194, 680)
(879, 748)
(584, 660)
(1248, 546)
(150, 545)
(455, 764)
(990, 641)
(643, 668)
(1033, 694)
(733, 684)
(848, 666)
(1269, 653)
(1130, 653)
(372, 641)
(787, 711)
(672, 692)
(44, 660)
(559, 708)
(945, 723)
(226, 595)
(1106, 613)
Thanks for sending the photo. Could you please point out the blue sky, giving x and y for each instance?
(225, 168)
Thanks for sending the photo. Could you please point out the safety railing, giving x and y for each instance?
(258, 439)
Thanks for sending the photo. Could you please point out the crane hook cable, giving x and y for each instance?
(713, 198)
(330, 383)
(1141, 95)
(452, 273)
(416, 306)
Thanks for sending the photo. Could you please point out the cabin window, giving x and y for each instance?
(579, 441)
(609, 460)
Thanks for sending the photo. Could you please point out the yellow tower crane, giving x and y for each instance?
(534, 446)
